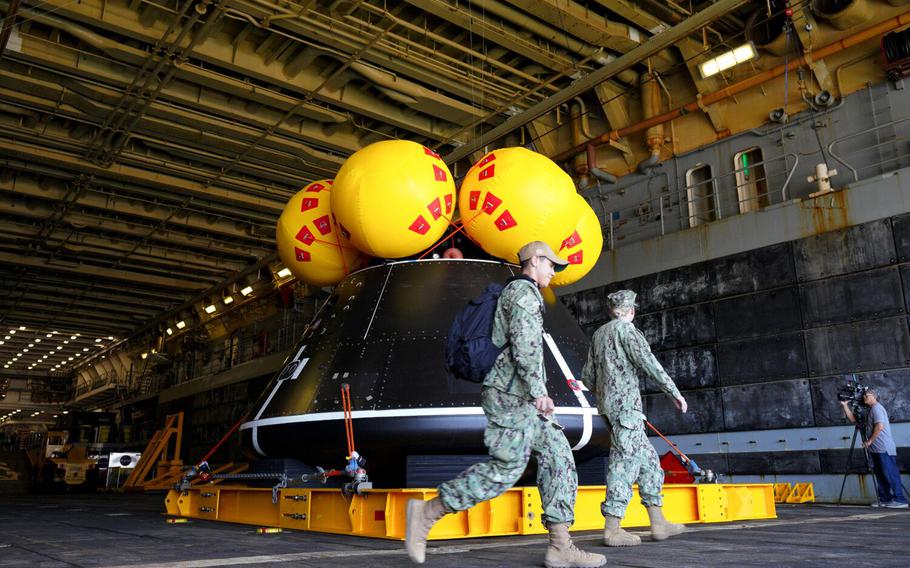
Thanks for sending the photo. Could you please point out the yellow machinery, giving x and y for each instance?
(71, 463)
(797, 493)
(380, 513)
(75, 464)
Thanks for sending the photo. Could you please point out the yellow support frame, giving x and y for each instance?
(381, 512)
(158, 459)
(782, 492)
(802, 493)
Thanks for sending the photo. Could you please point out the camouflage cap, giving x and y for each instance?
(622, 300)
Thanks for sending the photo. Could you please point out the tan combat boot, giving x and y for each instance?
(615, 536)
(422, 515)
(562, 552)
(661, 528)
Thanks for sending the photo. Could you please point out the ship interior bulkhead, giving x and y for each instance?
(206, 362)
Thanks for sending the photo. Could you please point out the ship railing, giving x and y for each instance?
(698, 203)
(241, 349)
(894, 142)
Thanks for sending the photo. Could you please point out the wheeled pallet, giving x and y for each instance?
(380, 513)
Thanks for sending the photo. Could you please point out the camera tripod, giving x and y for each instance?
(859, 428)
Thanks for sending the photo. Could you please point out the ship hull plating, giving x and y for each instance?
(382, 332)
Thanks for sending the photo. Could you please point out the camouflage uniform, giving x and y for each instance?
(618, 353)
(514, 430)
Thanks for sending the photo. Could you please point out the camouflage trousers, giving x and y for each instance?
(632, 460)
(513, 433)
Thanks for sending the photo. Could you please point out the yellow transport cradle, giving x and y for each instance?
(380, 513)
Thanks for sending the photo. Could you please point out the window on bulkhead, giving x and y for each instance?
(701, 195)
(751, 180)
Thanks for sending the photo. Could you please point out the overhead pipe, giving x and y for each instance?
(417, 95)
(8, 22)
(654, 136)
(535, 26)
(768, 33)
(345, 28)
(591, 80)
(754, 81)
(477, 55)
(843, 15)
(578, 127)
(585, 164)
(600, 174)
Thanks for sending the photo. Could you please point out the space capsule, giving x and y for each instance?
(382, 332)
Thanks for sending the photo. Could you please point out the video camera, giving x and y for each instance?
(853, 393)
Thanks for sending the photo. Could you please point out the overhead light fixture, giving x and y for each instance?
(181, 324)
(284, 272)
(246, 291)
(728, 59)
(210, 309)
(228, 299)
(170, 331)
(12, 332)
(22, 327)
(98, 340)
(37, 340)
(144, 355)
(72, 337)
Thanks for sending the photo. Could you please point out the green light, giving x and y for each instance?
(746, 165)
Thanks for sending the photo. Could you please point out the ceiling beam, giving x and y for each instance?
(578, 20)
(651, 47)
(486, 29)
(129, 297)
(154, 211)
(129, 229)
(62, 267)
(37, 153)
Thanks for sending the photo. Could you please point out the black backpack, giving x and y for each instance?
(470, 351)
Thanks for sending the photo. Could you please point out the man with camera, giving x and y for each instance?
(880, 445)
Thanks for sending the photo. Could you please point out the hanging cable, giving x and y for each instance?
(788, 27)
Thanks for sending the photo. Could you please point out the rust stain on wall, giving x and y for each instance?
(825, 213)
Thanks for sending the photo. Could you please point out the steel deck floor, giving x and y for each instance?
(106, 530)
